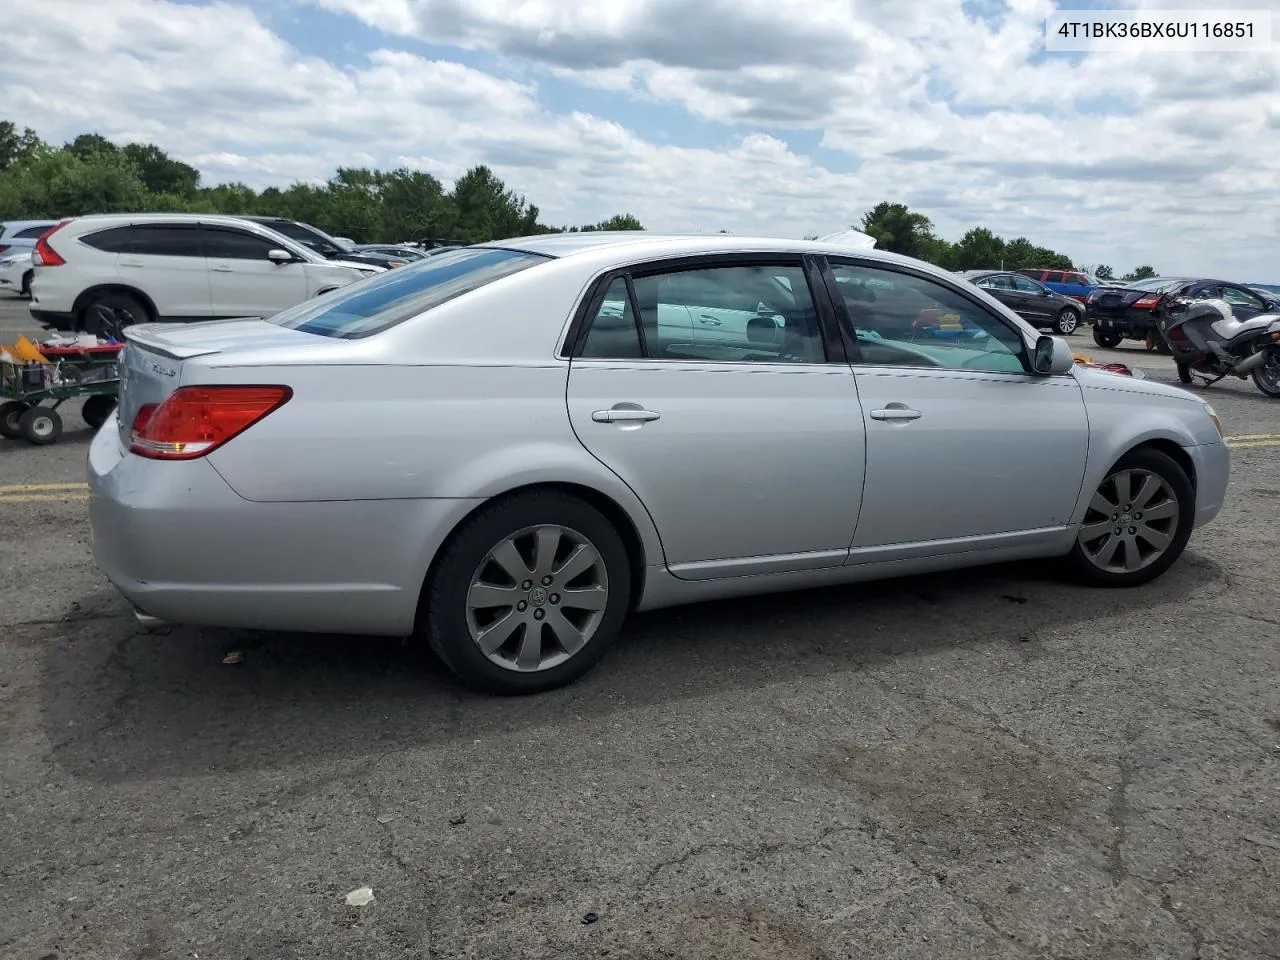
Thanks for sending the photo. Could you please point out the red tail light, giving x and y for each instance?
(1147, 302)
(44, 255)
(194, 421)
(1178, 334)
(4, 247)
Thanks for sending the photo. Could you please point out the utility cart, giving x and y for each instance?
(32, 389)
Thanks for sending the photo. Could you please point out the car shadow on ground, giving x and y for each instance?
(119, 704)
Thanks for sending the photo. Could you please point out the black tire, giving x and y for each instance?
(26, 284)
(1267, 377)
(10, 416)
(108, 314)
(40, 425)
(445, 616)
(97, 408)
(1184, 374)
(1168, 470)
(1067, 322)
(1105, 339)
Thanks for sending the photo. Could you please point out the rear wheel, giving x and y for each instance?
(1106, 339)
(528, 594)
(97, 408)
(108, 314)
(1138, 522)
(10, 416)
(40, 425)
(26, 283)
(1067, 321)
(1184, 373)
(1267, 377)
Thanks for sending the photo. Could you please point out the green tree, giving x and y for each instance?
(897, 229)
(15, 146)
(88, 145)
(978, 248)
(1103, 272)
(1140, 273)
(160, 173)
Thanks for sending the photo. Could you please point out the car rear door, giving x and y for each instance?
(966, 450)
(166, 262)
(747, 454)
(243, 281)
(1037, 305)
(1244, 303)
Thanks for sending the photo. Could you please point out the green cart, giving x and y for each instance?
(32, 392)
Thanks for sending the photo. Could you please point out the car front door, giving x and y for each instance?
(965, 448)
(243, 281)
(748, 454)
(1038, 306)
(1001, 287)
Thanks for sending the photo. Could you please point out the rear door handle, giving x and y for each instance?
(130, 263)
(220, 269)
(895, 412)
(710, 321)
(624, 415)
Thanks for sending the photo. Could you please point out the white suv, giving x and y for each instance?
(101, 273)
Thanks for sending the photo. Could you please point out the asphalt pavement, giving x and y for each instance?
(987, 764)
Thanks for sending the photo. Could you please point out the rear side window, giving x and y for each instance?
(149, 239)
(115, 240)
(32, 233)
(1053, 276)
(378, 303)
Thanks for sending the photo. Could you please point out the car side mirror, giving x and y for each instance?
(1052, 356)
(279, 256)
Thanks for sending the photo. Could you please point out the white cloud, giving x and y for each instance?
(1111, 158)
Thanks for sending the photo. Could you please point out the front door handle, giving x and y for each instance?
(624, 415)
(895, 411)
(220, 269)
(710, 321)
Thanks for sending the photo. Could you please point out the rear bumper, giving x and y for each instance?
(55, 319)
(1127, 325)
(183, 547)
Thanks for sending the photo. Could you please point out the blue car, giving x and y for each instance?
(1070, 283)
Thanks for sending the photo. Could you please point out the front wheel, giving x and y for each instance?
(528, 594)
(26, 284)
(1104, 338)
(1267, 377)
(1067, 321)
(1138, 522)
(40, 425)
(1184, 373)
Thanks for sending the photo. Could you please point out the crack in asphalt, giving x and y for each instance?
(1118, 814)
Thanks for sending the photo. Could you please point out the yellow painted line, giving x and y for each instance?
(33, 487)
(1255, 443)
(43, 498)
(1254, 436)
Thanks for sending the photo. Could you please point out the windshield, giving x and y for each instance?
(378, 303)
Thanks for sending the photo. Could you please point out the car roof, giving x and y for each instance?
(639, 244)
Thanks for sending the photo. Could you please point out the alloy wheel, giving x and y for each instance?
(1267, 376)
(537, 598)
(1131, 521)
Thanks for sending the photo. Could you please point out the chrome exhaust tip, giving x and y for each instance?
(148, 622)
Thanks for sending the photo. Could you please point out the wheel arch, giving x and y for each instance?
(613, 511)
(1171, 449)
(86, 295)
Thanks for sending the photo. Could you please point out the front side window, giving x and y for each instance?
(1242, 298)
(998, 282)
(370, 306)
(223, 243)
(755, 313)
(900, 319)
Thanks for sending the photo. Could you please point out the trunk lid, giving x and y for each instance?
(155, 354)
(1117, 298)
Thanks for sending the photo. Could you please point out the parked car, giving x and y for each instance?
(1127, 312)
(331, 248)
(1030, 299)
(102, 273)
(17, 240)
(506, 450)
(1075, 284)
(396, 252)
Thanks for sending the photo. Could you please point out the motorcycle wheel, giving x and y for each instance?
(1267, 377)
(1104, 339)
(1184, 373)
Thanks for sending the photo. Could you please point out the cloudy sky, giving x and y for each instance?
(784, 117)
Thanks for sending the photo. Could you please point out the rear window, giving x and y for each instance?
(1155, 284)
(378, 303)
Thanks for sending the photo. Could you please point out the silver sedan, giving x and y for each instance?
(507, 448)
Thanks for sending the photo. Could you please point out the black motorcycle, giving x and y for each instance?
(1207, 341)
